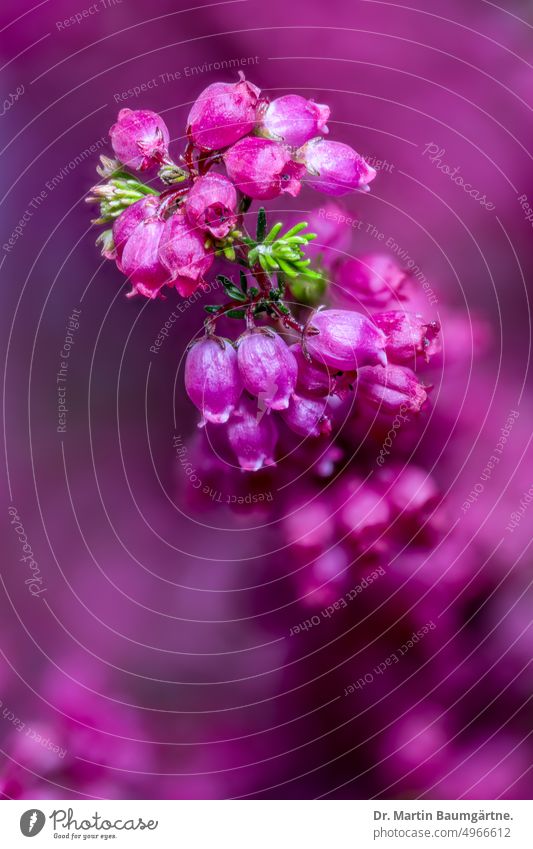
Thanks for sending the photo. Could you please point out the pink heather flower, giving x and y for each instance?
(346, 340)
(183, 253)
(262, 168)
(223, 114)
(140, 259)
(408, 336)
(335, 168)
(316, 380)
(307, 416)
(268, 368)
(140, 138)
(410, 490)
(252, 436)
(371, 279)
(393, 389)
(294, 120)
(211, 205)
(127, 221)
(212, 378)
(363, 511)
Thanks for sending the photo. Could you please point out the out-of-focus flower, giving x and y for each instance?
(307, 416)
(211, 205)
(140, 138)
(294, 120)
(212, 378)
(263, 169)
(335, 168)
(374, 280)
(223, 114)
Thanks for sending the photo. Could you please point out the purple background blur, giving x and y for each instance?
(158, 661)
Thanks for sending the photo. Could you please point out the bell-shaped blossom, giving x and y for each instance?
(184, 254)
(140, 138)
(263, 169)
(268, 368)
(223, 114)
(307, 416)
(363, 511)
(392, 390)
(335, 168)
(346, 340)
(212, 378)
(127, 221)
(408, 336)
(374, 280)
(316, 380)
(294, 120)
(212, 205)
(252, 435)
(140, 259)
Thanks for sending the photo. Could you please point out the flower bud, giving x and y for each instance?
(392, 390)
(140, 138)
(294, 120)
(128, 220)
(140, 259)
(223, 114)
(211, 205)
(346, 340)
(374, 280)
(335, 168)
(252, 435)
(212, 378)
(262, 168)
(268, 368)
(408, 336)
(363, 511)
(184, 254)
(307, 416)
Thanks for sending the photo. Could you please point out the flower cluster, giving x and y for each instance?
(170, 238)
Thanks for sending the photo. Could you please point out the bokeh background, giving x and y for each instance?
(157, 659)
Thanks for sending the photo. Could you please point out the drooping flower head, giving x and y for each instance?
(263, 169)
(268, 368)
(183, 252)
(212, 378)
(346, 340)
(374, 280)
(252, 435)
(335, 168)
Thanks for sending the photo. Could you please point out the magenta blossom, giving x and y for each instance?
(335, 168)
(334, 227)
(140, 259)
(212, 378)
(316, 380)
(211, 205)
(184, 254)
(307, 416)
(127, 221)
(408, 336)
(346, 340)
(372, 279)
(223, 114)
(252, 435)
(268, 368)
(262, 168)
(140, 138)
(294, 120)
(393, 389)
